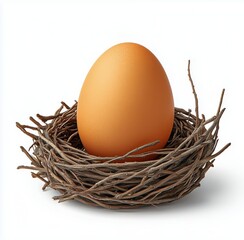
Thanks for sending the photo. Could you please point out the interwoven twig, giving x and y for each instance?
(61, 162)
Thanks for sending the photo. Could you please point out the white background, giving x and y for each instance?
(47, 49)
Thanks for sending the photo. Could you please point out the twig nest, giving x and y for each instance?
(62, 163)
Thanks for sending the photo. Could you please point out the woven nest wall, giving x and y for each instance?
(59, 160)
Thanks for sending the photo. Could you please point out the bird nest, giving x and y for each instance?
(61, 162)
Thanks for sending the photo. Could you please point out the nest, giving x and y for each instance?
(61, 162)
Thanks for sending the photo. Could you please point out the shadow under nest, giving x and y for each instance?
(60, 161)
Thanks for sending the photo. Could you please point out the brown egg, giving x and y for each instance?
(125, 102)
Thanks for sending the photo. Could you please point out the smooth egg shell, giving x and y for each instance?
(125, 102)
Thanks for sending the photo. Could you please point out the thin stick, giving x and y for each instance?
(194, 93)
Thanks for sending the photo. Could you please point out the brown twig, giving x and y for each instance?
(194, 93)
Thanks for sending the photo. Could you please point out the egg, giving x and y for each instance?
(125, 102)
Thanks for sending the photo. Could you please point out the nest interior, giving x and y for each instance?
(61, 162)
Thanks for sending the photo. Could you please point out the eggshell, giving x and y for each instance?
(125, 102)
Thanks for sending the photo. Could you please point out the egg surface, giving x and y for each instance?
(125, 102)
